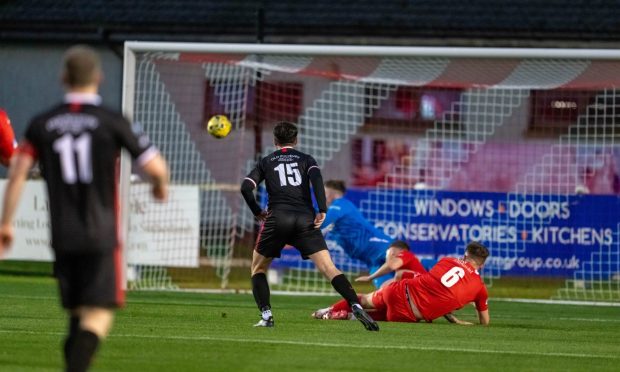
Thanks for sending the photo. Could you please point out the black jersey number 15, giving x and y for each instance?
(289, 174)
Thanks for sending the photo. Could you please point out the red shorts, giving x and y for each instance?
(392, 300)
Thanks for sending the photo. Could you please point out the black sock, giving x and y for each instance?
(342, 285)
(260, 289)
(74, 327)
(84, 347)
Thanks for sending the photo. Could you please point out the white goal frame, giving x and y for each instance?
(133, 47)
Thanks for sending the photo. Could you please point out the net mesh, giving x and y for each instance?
(403, 132)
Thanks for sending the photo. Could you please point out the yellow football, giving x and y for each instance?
(219, 126)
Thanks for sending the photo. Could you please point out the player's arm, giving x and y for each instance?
(316, 180)
(18, 172)
(453, 319)
(248, 185)
(392, 263)
(483, 317)
(157, 169)
(136, 142)
(482, 306)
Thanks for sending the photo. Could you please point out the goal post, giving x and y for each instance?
(517, 148)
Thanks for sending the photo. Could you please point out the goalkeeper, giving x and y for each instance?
(359, 238)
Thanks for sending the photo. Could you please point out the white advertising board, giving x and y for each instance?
(166, 234)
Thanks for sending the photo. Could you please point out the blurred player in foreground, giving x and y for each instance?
(7, 139)
(451, 284)
(290, 219)
(399, 260)
(77, 144)
(359, 238)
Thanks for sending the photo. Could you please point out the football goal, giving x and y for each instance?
(516, 148)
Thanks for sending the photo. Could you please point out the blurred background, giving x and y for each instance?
(494, 133)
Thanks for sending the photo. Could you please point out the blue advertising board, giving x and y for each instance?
(546, 235)
(542, 235)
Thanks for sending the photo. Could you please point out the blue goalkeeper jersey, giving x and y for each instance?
(357, 236)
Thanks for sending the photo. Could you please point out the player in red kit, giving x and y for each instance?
(399, 259)
(7, 139)
(451, 284)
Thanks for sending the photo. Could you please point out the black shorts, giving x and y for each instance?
(284, 227)
(90, 279)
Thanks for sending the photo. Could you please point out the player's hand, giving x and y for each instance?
(160, 192)
(363, 278)
(318, 219)
(6, 238)
(262, 216)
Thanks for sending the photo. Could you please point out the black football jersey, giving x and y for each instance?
(285, 173)
(78, 147)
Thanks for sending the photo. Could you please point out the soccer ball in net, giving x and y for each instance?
(219, 126)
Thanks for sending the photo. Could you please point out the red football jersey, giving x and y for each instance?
(410, 262)
(7, 138)
(451, 284)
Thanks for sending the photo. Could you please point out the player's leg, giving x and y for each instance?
(323, 262)
(260, 288)
(311, 243)
(397, 303)
(269, 244)
(90, 290)
(94, 326)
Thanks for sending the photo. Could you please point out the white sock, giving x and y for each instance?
(266, 314)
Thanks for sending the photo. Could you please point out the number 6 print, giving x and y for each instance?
(452, 276)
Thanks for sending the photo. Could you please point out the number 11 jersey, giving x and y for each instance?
(77, 144)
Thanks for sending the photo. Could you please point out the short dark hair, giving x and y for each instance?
(336, 185)
(400, 244)
(285, 133)
(477, 251)
(81, 66)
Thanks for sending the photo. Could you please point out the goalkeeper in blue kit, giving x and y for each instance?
(359, 238)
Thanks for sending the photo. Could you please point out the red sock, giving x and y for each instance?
(341, 305)
(344, 305)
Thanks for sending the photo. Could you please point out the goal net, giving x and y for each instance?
(515, 148)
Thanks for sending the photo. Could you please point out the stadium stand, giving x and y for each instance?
(399, 20)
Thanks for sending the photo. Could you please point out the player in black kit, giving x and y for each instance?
(77, 144)
(290, 219)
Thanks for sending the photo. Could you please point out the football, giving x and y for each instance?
(219, 126)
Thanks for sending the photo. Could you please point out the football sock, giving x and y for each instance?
(344, 305)
(342, 285)
(260, 289)
(74, 327)
(266, 313)
(84, 347)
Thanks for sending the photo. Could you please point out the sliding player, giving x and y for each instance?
(451, 284)
(359, 238)
(291, 219)
(399, 260)
(7, 139)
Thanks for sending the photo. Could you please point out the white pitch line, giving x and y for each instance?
(556, 302)
(310, 294)
(346, 346)
(505, 316)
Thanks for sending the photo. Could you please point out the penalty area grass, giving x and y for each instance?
(176, 331)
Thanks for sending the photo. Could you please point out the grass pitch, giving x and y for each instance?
(164, 331)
